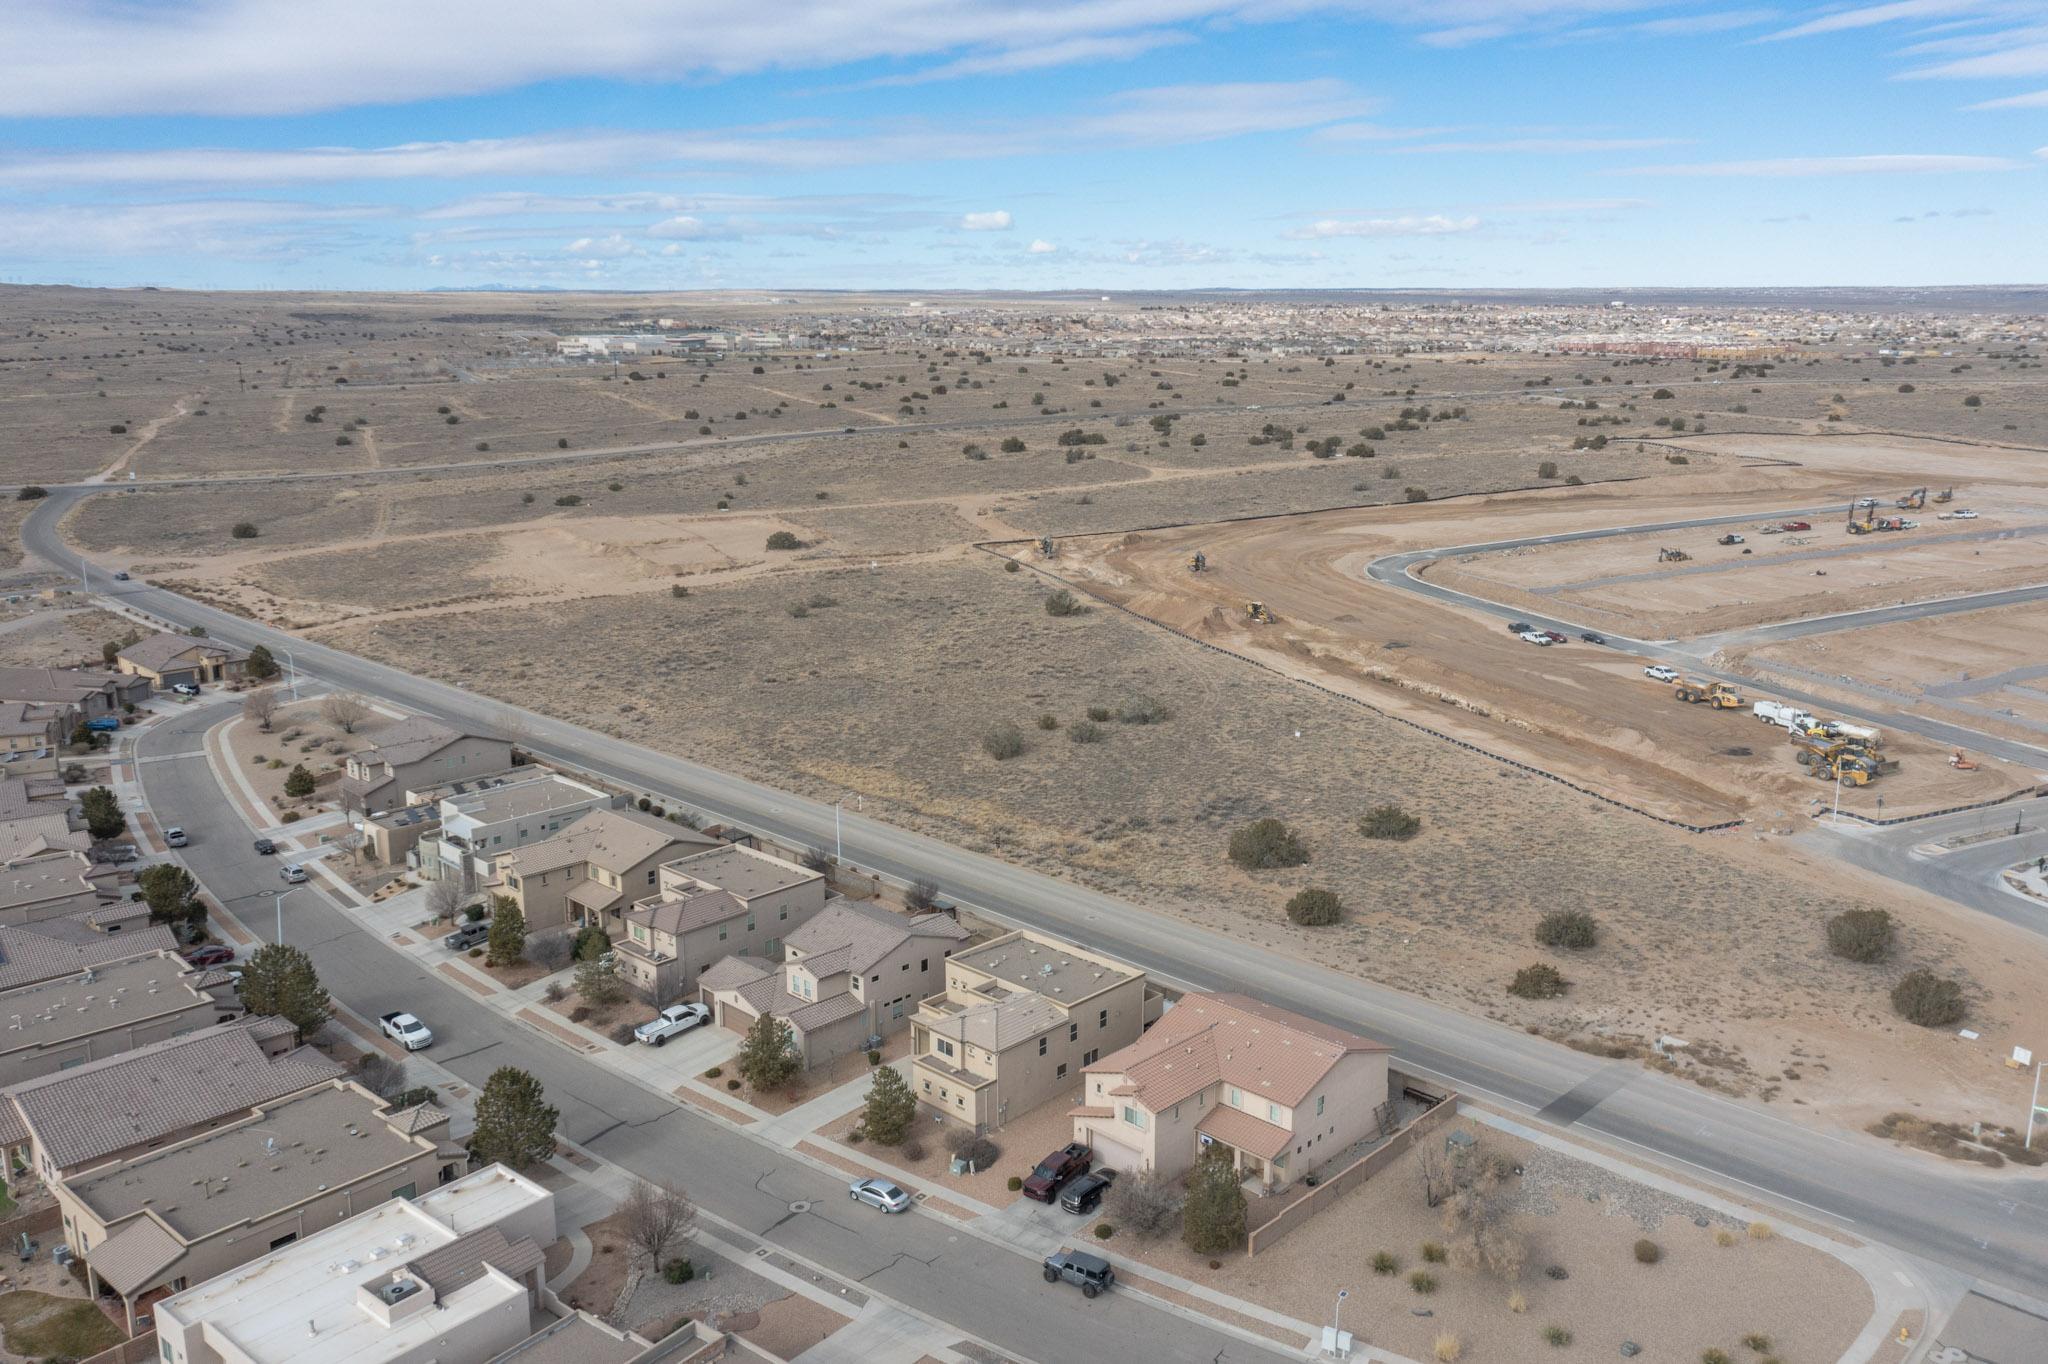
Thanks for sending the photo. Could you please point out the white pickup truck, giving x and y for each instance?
(670, 1022)
(1778, 713)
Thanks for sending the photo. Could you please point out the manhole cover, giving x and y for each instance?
(800, 1206)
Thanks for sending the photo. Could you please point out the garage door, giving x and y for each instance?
(1114, 1154)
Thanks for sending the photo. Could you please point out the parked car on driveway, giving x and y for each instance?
(1091, 1272)
(1056, 1169)
(265, 846)
(211, 954)
(293, 872)
(879, 1193)
(673, 1021)
(1084, 1195)
(406, 1031)
(185, 689)
(468, 936)
(175, 837)
(103, 724)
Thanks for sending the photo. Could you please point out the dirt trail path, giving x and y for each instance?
(143, 436)
(814, 402)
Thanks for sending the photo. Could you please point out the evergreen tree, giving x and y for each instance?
(278, 979)
(767, 1057)
(597, 982)
(261, 666)
(508, 931)
(103, 817)
(891, 1106)
(1212, 1220)
(515, 1125)
(169, 890)
(298, 783)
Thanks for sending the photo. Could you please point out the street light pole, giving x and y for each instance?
(279, 896)
(1337, 1318)
(2034, 1111)
(294, 670)
(838, 825)
(1837, 816)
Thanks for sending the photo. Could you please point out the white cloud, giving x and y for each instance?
(1544, 146)
(2025, 59)
(1162, 116)
(1870, 16)
(256, 57)
(1797, 166)
(249, 229)
(611, 247)
(1041, 247)
(997, 220)
(1065, 52)
(1435, 225)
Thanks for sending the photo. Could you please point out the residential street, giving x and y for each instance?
(1979, 1225)
(920, 1261)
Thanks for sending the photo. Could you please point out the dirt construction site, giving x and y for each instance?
(1587, 712)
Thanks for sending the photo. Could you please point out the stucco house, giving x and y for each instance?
(855, 972)
(108, 1008)
(1017, 1021)
(731, 901)
(81, 695)
(173, 660)
(594, 870)
(1282, 1092)
(415, 754)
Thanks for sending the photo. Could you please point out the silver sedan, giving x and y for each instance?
(879, 1193)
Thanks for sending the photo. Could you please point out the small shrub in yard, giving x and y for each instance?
(1266, 843)
(1014, 1183)
(732, 1084)
(1103, 1231)
(1385, 1262)
(1925, 998)
(555, 992)
(1648, 1252)
(1315, 908)
(679, 1271)
(714, 1072)
(1861, 935)
(1388, 821)
(1422, 1281)
(1541, 981)
(622, 1033)
(1573, 929)
(1415, 494)
(1758, 1341)
(1003, 742)
(1446, 1347)
(1143, 710)
(1557, 1336)
(1062, 603)
(569, 500)
(1518, 1302)
(1432, 1253)
(912, 1148)
(1760, 1231)
(1546, 470)
(1724, 1237)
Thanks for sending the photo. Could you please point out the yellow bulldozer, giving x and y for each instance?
(1945, 495)
(1719, 695)
(1257, 614)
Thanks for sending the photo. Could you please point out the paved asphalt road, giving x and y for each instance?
(920, 1261)
(1394, 571)
(1967, 1222)
(1967, 875)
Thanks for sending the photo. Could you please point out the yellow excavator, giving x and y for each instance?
(1256, 612)
(1862, 517)
(1912, 501)
(1719, 695)
(1198, 563)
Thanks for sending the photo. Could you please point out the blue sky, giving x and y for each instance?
(925, 144)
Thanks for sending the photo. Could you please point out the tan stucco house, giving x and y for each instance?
(156, 1223)
(1281, 1092)
(413, 755)
(79, 694)
(852, 974)
(106, 1009)
(173, 660)
(729, 902)
(51, 884)
(592, 872)
(1018, 1020)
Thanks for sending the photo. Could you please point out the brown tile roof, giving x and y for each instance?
(868, 933)
(729, 973)
(98, 1108)
(60, 685)
(1235, 1127)
(160, 651)
(678, 915)
(408, 741)
(136, 1254)
(999, 1024)
(57, 947)
(768, 995)
(613, 839)
(831, 961)
(1266, 1051)
(461, 1261)
(416, 1119)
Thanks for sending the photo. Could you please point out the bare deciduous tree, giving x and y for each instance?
(654, 1218)
(260, 706)
(345, 710)
(1144, 1204)
(1479, 1215)
(445, 897)
(1434, 1172)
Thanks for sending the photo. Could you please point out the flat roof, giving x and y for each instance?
(96, 999)
(1044, 966)
(44, 877)
(743, 871)
(297, 1304)
(278, 1156)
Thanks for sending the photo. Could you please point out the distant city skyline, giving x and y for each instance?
(917, 144)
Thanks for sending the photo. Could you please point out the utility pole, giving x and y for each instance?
(2035, 1112)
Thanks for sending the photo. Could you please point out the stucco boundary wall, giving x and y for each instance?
(1328, 1190)
(996, 549)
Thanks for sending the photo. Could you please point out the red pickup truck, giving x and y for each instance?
(1056, 1169)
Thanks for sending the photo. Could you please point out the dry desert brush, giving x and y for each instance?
(1861, 935)
(1927, 999)
(1267, 843)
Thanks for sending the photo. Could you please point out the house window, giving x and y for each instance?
(1273, 1113)
(1060, 1073)
(942, 1046)
(650, 875)
(1073, 1032)
(406, 1191)
(164, 1349)
(1236, 1099)
(750, 923)
(1319, 1105)
(924, 964)
(1088, 1057)
(1135, 1117)
(1102, 1019)
(782, 913)
(896, 1009)
(906, 966)
(721, 932)
(1041, 1046)
(284, 1240)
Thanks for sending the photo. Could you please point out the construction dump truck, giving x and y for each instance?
(1719, 695)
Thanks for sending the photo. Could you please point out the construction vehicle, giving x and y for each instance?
(1046, 548)
(1719, 695)
(1198, 563)
(1256, 612)
(1868, 519)
(1945, 495)
(1962, 762)
(1912, 501)
(1672, 556)
(1853, 768)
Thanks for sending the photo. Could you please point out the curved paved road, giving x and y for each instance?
(1397, 571)
(1968, 1223)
